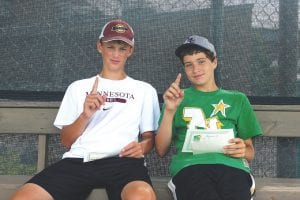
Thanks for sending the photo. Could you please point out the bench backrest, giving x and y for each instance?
(37, 118)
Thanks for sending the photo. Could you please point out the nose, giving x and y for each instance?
(196, 68)
(115, 53)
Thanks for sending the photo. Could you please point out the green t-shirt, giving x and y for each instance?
(221, 109)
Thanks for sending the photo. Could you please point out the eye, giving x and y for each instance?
(188, 65)
(200, 62)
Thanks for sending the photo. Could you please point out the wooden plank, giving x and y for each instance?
(266, 188)
(279, 120)
(290, 108)
(29, 104)
(42, 152)
(279, 123)
(27, 120)
(38, 118)
(10, 183)
(277, 188)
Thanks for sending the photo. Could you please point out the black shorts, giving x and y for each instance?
(72, 179)
(211, 182)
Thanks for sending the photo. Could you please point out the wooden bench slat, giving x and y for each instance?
(28, 120)
(266, 188)
(42, 152)
(37, 118)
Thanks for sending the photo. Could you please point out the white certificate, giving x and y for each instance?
(207, 141)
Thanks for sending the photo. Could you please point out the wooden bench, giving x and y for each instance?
(267, 188)
(37, 118)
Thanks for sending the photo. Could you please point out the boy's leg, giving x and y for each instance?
(67, 179)
(196, 182)
(71, 179)
(30, 191)
(235, 184)
(136, 190)
(129, 180)
(212, 182)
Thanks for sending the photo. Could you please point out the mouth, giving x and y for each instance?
(115, 62)
(198, 76)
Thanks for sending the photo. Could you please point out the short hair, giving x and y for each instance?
(116, 42)
(196, 49)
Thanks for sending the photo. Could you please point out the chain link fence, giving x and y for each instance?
(45, 45)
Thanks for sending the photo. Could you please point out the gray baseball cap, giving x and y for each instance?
(196, 40)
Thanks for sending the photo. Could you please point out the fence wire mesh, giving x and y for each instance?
(45, 45)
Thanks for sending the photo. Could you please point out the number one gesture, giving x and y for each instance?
(93, 101)
(174, 94)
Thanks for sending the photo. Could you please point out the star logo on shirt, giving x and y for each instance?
(220, 107)
(213, 123)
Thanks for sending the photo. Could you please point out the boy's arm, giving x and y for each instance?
(139, 149)
(163, 136)
(147, 142)
(249, 154)
(173, 96)
(70, 133)
(92, 104)
(240, 149)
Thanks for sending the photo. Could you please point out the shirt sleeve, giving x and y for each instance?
(150, 111)
(67, 112)
(248, 124)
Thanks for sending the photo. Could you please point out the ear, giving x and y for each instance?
(215, 62)
(99, 46)
(130, 52)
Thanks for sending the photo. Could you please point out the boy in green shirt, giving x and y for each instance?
(208, 111)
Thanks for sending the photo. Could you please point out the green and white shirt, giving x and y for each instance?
(220, 109)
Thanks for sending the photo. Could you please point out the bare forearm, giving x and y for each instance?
(163, 136)
(249, 153)
(147, 142)
(172, 98)
(240, 148)
(138, 149)
(70, 133)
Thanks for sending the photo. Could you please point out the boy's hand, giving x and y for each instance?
(93, 101)
(133, 149)
(173, 95)
(237, 149)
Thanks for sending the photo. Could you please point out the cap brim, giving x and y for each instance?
(105, 39)
(183, 47)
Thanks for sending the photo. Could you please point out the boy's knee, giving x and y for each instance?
(30, 191)
(138, 190)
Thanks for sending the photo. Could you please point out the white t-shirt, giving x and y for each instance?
(131, 108)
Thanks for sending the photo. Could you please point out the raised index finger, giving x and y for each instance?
(177, 80)
(95, 87)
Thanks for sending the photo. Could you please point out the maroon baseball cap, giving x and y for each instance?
(117, 30)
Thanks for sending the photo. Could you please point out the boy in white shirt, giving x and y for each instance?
(101, 119)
